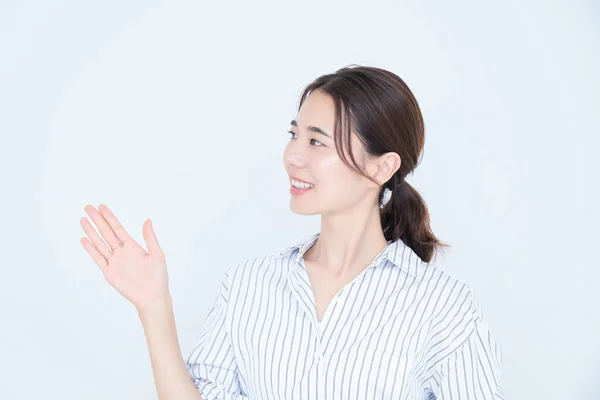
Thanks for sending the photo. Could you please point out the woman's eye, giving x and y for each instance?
(311, 140)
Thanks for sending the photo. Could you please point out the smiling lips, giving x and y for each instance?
(300, 184)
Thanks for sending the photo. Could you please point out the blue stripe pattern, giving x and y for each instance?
(402, 329)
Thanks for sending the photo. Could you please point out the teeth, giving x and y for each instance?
(301, 185)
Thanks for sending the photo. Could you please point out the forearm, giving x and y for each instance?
(170, 375)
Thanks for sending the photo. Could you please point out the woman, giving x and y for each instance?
(355, 311)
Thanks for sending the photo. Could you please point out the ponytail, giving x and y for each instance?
(405, 216)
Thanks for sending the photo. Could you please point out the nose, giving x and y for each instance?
(294, 156)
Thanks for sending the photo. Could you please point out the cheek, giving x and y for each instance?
(333, 174)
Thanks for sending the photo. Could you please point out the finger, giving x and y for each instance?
(95, 238)
(94, 253)
(103, 227)
(114, 224)
(151, 239)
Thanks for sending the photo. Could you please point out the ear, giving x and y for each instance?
(384, 166)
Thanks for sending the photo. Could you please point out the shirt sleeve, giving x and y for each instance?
(212, 364)
(465, 361)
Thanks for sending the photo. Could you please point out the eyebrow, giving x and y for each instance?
(312, 128)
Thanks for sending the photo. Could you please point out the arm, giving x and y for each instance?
(474, 370)
(463, 359)
(141, 277)
(212, 364)
(170, 374)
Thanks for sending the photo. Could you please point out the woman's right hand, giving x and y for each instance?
(140, 276)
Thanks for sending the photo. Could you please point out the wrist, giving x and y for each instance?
(157, 305)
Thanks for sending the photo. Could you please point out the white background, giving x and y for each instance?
(178, 111)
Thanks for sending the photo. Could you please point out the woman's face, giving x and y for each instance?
(311, 156)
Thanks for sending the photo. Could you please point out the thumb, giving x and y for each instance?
(151, 239)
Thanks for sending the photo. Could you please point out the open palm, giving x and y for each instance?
(140, 276)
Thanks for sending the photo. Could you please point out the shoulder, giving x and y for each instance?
(454, 311)
(455, 320)
(443, 282)
(250, 265)
(452, 301)
(275, 260)
(259, 266)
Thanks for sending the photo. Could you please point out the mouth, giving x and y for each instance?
(301, 184)
(299, 187)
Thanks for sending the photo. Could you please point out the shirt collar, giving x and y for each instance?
(397, 252)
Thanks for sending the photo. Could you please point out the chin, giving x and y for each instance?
(303, 209)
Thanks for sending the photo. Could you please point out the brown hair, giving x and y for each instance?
(378, 106)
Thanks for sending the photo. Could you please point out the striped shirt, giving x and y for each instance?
(402, 329)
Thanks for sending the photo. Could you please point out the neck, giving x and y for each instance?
(348, 242)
